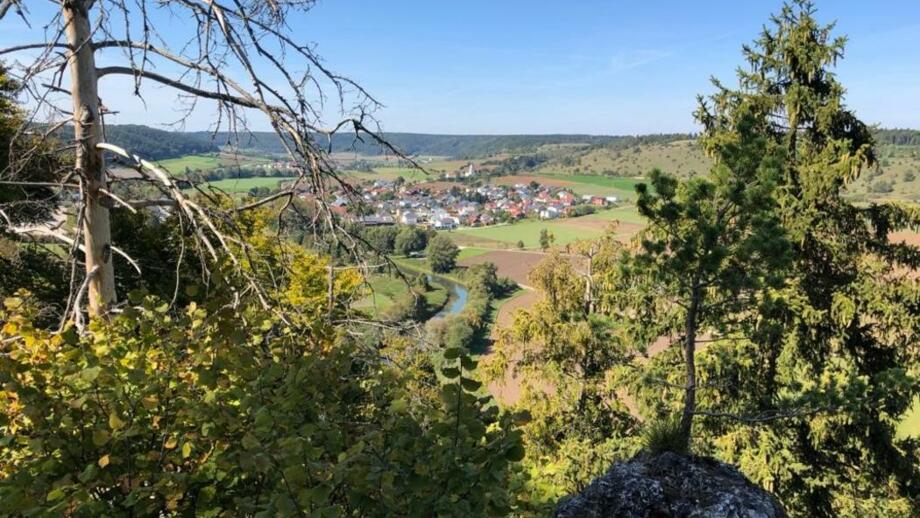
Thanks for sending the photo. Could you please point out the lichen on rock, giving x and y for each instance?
(671, 485)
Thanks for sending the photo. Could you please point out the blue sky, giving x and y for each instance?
(583, 66)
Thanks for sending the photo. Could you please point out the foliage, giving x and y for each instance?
(546, 239)
(25, 264)
(798, 310)
(459, 146)
(230, 407)
(881, 186)
(712, 251)
(836, 355)
(563, 355)
(410, 239)
(897, 137)
(382, 239)
(442, 254)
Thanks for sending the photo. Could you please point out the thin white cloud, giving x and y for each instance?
(629, 59)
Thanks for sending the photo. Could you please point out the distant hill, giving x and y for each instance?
(160, 144)
(594, 151)
(152, 143)
(453, 146)
(898, 175)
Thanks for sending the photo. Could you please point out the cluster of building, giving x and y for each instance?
(446, 206)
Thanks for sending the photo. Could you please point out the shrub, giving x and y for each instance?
(216, 411)
(881, 186)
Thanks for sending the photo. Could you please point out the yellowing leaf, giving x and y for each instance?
(103, 461)
(115, 422)
(186, 450)
(171, 443)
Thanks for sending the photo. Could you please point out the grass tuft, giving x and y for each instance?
(663, 435)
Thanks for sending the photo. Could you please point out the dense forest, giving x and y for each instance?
(152, 143)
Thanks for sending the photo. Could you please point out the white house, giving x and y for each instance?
(408, 218)
(549, 213)
(446, 223)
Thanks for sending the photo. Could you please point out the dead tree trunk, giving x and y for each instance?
(90, 165)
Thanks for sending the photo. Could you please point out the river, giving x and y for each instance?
(456, 301)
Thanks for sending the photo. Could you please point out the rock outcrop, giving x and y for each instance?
(674, 486)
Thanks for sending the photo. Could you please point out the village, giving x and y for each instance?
(449, 205)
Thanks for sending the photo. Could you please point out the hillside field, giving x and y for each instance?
(565, 231)
(209, 161)
(238, 185)
(681, 158)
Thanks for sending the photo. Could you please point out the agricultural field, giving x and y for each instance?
(910, 426)
(210, 161)
(471, 251)
(241, 185)
(564, 230)
(391, 173)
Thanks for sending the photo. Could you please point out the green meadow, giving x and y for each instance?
(237, 185)
(564, 230)
(207, 162)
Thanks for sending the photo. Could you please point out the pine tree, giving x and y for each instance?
(832, 362)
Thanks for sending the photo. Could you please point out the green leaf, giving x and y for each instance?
(90, 374)
(523, 417)
(250, 442)
(452, 354)
(398, 405)
(515, 453)
(136, 296)
(100, 437)
(470, 384)
(468, 363)
(450, 372)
